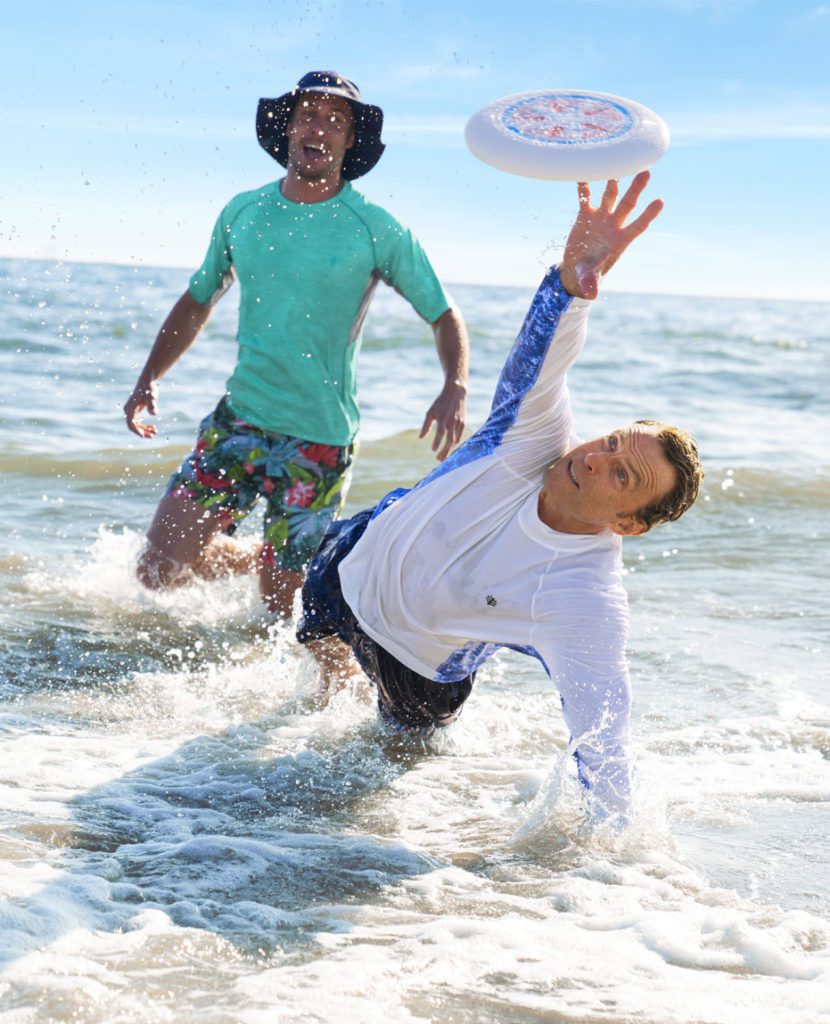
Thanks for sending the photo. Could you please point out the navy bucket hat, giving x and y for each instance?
(273, 116)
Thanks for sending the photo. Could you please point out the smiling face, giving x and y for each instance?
(319, 134)
(603, 484)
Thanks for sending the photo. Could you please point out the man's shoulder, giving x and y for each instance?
(265, 194)
(370, 212)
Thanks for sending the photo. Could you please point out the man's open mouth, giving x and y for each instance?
(571, 473)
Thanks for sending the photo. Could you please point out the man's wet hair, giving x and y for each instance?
(680, 448)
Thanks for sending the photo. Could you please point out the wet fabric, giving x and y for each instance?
(406, 700)
(307, 273)
(461, 565)
(234, 464)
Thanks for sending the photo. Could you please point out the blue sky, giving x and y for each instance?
(125, 127)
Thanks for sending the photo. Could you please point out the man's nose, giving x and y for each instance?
(593, 460)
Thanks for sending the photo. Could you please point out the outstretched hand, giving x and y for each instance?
(599, 237)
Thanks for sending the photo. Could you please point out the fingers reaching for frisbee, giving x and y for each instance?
(609, 196)
(599, 237)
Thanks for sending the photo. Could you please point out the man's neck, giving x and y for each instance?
(552, 516)
(304, 190)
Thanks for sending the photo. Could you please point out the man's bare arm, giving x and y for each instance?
(449, 410)
(177, 334)
(599, 237)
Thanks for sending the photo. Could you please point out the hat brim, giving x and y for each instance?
(272, 120)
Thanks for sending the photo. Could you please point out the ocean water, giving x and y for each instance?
(184, 837)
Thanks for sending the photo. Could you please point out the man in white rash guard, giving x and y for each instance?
(515, 541)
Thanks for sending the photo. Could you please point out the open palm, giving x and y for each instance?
(599, 237)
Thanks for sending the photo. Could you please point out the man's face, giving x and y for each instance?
(319, 134)
(602, 484)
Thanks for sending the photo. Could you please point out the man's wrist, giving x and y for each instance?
(570, 282)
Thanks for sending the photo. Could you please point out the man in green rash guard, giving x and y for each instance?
(307, 251)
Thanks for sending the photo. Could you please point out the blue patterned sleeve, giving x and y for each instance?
(534, 376)
(531, 402)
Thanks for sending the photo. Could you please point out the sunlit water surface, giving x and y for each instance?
(184, 837)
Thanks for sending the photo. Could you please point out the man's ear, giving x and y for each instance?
(628, 526)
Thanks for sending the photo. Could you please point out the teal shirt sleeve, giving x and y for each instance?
(216, 274)
(404, 265)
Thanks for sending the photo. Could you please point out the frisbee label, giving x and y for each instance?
(566, 119)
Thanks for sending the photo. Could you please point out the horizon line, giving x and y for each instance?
(610, 290)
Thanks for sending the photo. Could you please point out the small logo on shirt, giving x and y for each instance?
(491, 600)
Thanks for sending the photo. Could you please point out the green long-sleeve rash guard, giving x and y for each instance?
(307, 273)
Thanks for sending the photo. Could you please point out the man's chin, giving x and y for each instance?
(311, 172)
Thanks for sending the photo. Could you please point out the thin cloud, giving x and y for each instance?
(425, 125)
(451, 68)
(78, 123)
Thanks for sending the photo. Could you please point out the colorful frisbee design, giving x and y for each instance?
(561, 135)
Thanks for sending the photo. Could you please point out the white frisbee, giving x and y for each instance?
(564, 135)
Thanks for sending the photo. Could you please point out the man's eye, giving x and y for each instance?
(613, 442)
(622, 475)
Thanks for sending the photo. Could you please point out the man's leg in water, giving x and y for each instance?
(184, 541)
(300, 506)
(337, 664)
(407, 701)
(277, 587)
(329, 628)
(203, 500)
(233, 466)
(327, 623)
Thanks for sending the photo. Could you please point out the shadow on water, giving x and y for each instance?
(223, 835)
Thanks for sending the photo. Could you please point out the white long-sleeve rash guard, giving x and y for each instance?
(461, 565)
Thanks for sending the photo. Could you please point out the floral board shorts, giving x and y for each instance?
(304, 484)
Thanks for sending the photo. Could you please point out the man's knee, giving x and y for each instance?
(158, 571)
(277, 588)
